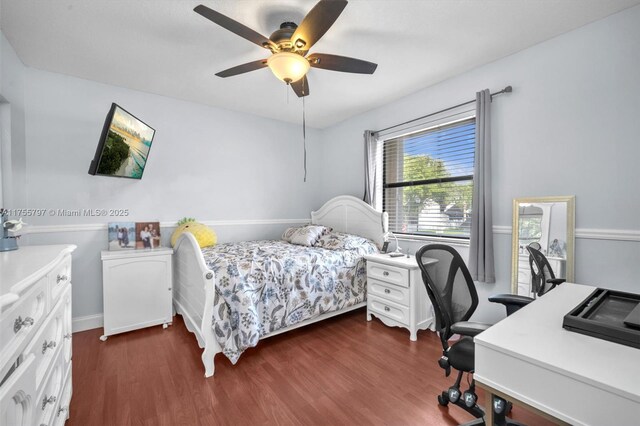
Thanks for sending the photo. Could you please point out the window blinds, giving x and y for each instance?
(428, 180)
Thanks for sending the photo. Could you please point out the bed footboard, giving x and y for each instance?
(193, 287)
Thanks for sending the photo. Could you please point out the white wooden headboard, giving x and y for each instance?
(351, 215)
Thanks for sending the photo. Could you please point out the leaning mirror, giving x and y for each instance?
(549, 223)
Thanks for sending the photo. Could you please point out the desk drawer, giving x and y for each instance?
(387, 273)
(59, 278)
(389, 292)
(391, 310)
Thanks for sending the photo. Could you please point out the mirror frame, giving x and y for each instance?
(515, 240)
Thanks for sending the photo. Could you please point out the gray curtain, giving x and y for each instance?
(371, 172)
(481, 263)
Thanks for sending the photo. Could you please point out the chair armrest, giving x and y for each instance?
(511, 299)
(556, 281)
(467, 328)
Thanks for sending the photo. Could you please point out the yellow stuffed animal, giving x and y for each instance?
(203, 234)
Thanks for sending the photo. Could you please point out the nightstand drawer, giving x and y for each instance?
(389, 309)
(389, 292)
(387, 273)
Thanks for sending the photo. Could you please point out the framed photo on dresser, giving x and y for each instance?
(147, 235)
(122, 235)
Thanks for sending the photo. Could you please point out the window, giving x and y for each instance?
(530, 224)
(428, 180)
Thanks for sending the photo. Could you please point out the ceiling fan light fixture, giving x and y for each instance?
(287, 66)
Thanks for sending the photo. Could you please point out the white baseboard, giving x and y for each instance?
(87, 323)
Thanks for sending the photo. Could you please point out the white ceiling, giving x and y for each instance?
(164, 47)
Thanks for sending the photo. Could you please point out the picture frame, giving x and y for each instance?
(121, 235)
(147, 235)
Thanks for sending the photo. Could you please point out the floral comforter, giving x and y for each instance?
(262, 286)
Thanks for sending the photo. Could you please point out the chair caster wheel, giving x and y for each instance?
(469, 398)
(500, 406)
(443, 400)
(453, 394)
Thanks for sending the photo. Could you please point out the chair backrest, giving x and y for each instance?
(540, 271)
(449, 286)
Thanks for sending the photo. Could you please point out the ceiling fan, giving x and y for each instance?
(290, 44)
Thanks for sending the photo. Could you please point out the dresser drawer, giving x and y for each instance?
(48, 341)
(16, 396)
(391, 310)
(19, 323)
(44, 406)
(67, 326)
(387, 273)
(61, 413)
(388, 291)
(59, 278)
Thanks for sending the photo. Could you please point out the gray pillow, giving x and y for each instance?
(306, 235)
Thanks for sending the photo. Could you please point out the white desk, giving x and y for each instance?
(529, 358)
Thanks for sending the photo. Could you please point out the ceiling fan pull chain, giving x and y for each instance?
(304, 135)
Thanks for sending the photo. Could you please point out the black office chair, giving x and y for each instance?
(542, 277)
(542, 280)
(454, 298)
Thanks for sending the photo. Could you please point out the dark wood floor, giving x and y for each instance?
(343, 370)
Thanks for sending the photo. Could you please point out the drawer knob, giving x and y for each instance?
(387, 309)
(19, 323)
(385, 273)
(61, 278)
(49, 400)
(67, 336)
(386, 290)
(48, 345)
(62, 410)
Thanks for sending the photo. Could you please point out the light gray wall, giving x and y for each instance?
(12, 121)
(204, 162)
(569, 128)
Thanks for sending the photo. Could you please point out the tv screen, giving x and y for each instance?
(124, 146)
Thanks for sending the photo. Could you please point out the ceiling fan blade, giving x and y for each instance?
(233, 26)
(317, 22)
(301, 87)
(241, 69)
(341, 63)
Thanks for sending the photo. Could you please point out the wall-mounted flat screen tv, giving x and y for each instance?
(124, 145)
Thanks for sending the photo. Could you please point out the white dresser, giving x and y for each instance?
(35, 331)
(396, 294)
(137, 289)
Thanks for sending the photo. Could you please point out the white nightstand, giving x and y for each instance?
(137, 289)
(396, 294)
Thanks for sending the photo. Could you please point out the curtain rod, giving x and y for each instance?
(507, 89)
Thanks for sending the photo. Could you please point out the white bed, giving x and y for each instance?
(193, 286)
